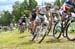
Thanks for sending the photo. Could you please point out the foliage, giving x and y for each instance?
(23, 8)
(16, 10)
(27, 12)
(6, 19)
(59, 2)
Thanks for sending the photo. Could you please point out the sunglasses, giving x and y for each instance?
(48, 6)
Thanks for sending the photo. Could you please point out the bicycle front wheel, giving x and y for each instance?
(41, 33)
(70, 33)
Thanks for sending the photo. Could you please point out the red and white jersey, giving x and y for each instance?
(65, 8)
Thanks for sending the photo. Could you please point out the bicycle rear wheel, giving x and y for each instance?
(57, 30)
(70, 31)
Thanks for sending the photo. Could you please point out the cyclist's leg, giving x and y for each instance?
(51, 20)
(35, 23)
(39, 19)
(46, 20)
(34, 26)
(32, 21)
(62, 14)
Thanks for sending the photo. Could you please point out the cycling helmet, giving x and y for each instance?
(48, 4)
(56, 7)
(23, 16)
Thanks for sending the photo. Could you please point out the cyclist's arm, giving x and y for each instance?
(65, 6)
(74, 10)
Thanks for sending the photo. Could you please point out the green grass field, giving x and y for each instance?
(15, 40)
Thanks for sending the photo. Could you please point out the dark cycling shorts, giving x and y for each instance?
(33, 17)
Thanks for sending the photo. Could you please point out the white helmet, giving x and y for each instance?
(48, 4)
(56, 7)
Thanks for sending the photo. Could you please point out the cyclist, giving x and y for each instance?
(32, 15)
(68, 6)
(22, 20)
(40, 15)
(32, 18)
(54, 12)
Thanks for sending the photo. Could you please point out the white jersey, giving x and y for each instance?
(53, 10)
(44, 11)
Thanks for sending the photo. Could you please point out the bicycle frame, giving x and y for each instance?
(66, 22)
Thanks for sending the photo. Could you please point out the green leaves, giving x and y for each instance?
(6, 19)
(59, 2)
(23, 8)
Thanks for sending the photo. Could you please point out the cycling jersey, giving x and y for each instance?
(33, 15)
(42, 15)
(68, 3)
(67, 7)
(24, 20)
(44, 11)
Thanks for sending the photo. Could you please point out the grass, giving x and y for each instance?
(15, 40)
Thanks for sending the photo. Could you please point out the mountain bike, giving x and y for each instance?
(40, 32)
(21, 28)
(68, 25)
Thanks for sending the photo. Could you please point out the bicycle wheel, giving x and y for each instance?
(49, 29)
(41, 33)
(70, 31)
(21, 29)
(57, 30)
(33, 36)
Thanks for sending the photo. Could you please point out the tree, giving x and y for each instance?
(21, 8)
(6, 18)
(16, 10)
(62, 2)
(59, 2)
(32, 4)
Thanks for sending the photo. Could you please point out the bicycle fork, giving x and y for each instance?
(63, 28)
